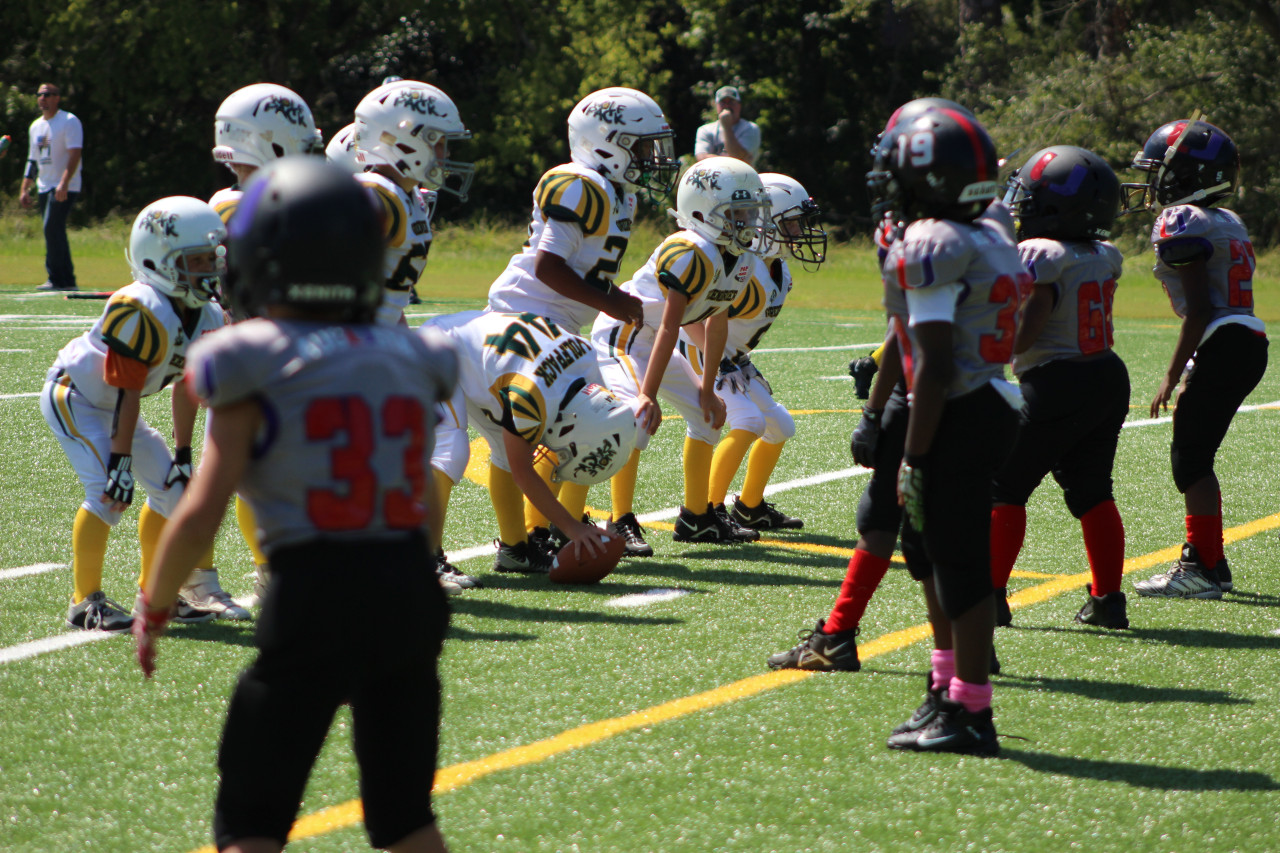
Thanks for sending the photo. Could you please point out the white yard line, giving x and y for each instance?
(872, 345)
(644, 599)
(34, 569)
(18, 396)
(56, 643)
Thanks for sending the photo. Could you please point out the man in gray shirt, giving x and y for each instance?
(730, 135)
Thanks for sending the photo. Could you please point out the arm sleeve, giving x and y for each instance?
(74, 133)
(749, 138)
(705, 143)
(560, 238)
(933, 304)
(121, 371)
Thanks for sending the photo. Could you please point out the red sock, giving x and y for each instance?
(866, 570)
(1008, 530)
(1205, 533)
(1104, 543)
(974, 697)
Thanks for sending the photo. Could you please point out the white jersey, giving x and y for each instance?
(1187, 231)
(582, 217)
(688, 263)
(516, 369)
(1082, 275)
(142, 324)
(965, 274)
(406, 223)
(757, 307)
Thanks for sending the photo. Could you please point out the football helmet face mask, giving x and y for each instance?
(723, 199)
(623, 135)
(261, 123)
(306, 234)
(341, 150)
(408, 126)
(592, 436)
(176, 246)
(941, 164)
(1064, 193)
(795, 220)
(1187, 161)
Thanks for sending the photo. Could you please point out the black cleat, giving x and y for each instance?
(953, 729)
(821, 652)
(1004, 616)
(99, 613)
(706, 527)
(524, 557)
(766, 516)
(743, 532)
(1107, 611)
(863, 370)
(451, 579)
(907, 732)
(1223, 571)
(633, 533)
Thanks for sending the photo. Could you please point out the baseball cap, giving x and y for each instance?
(727, 92)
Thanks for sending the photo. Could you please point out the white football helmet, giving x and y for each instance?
(399, 125)
(622, 134)
(723, 199)
(261, 123)
(592, 436)
(164, 237)
(341, 150)
(795, 220)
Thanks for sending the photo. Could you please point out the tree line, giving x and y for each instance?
(819, 76)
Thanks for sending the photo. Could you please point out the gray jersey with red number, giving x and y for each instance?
(1186, 231)
(348, 422)
(974, 269)
(1083, 277)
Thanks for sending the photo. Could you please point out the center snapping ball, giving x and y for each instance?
(567, 568)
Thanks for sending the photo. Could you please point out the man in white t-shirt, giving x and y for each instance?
(730, 135)
(53, 164)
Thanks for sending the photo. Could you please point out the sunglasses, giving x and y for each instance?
(46, 94)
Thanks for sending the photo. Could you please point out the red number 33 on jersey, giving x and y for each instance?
(353, 506)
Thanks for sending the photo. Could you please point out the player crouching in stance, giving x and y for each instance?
(693, 277)
(324, 422)
(951, 286)
(92, 396)
(620, 143)
(527, 382)
(756, 422)
(1075, 389)
(1204, 259)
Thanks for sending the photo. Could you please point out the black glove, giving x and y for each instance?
(731, 375)
(866, 435)
(180, 469)
(911, 490)
(120, 478)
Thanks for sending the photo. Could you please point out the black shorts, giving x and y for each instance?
(1070, 425)
(878, 508)
(343, 622)
(974, 436)
(1228, 367)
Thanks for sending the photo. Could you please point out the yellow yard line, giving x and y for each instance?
(460, 775)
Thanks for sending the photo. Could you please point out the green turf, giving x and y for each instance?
(1161, 738)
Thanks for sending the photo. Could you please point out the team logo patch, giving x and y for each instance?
(162, 223)
(704, 179)
(418, 102)
(597, 461)
(609, 112)
(290, 110)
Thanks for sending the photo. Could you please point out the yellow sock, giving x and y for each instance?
(544, 463)
(573, 497)
(878, 355)
(508, 505)
(249, 529)
(697, 473)
(760, 465)
(150, 526)
(728, 457)
(443, 488)
(89, 551)
(622, 488)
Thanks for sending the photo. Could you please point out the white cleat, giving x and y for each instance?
(203, 591)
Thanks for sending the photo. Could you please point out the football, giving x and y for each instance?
(567, 568)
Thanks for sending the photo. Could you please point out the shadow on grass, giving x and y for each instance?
(216, 631)
(1195, 638)
(500, 610)
(1120, 692)
(1253, 599)
(1143, 775)
(458, 633)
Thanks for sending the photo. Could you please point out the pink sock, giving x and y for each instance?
(974, 697)
(944, 667)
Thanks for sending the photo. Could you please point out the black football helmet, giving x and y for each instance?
(1187, 161)
(307, 235)
(1064, 193)
(940, 164)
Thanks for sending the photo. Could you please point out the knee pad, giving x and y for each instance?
(779, 426)
(452, 452)
(100, 509)
(1189, 466)
(1080, 501)
(748, 420)
(959, 588)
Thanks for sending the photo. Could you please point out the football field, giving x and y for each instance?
(638, 714)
